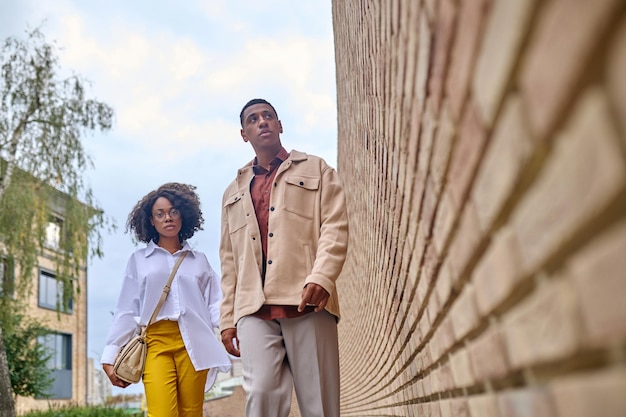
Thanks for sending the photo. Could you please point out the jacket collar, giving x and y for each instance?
(294, 156)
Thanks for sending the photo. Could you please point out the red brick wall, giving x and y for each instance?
(483, 148)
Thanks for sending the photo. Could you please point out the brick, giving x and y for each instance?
(426, 141)
(442, 148)
(466, 240)
(446, 334)
(464, 313)
(420, 389)
(544, 327)
(447, 378)
(434, 410)
(427, 383)
(422, 289)
(430, 264)
(498, 271)
(442, 36)
(484, 406)
(443, 222)
(436, 344)
(565, 196)
(488, 356)
(461, 368)
(503, 163)
(616, 62)
(433, 307)
(599, 274)
(443, 285)
(599, 394)
(445, 407)
(469, 29)
(423, 60)
(429, 204)
(431, 9)
(535, 402)
(466, 155)
(498, 53)
(559, 50)
(459, 407)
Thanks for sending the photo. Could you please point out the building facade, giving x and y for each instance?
(67, 342)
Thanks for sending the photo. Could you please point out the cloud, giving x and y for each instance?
(169, 88)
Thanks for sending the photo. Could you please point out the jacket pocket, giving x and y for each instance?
(235, 212)
(300, 195)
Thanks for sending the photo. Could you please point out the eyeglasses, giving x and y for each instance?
(173, 213)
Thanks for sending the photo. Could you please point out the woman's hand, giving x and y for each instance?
(108, 369)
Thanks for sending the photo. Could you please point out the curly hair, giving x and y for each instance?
(182, 196)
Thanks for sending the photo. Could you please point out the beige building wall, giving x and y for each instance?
(74, 324)
(483, 148)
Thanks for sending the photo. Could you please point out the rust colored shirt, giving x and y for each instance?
(260, 191)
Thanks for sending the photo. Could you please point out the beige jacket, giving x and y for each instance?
(308, 238)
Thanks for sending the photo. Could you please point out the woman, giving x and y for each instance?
(183, 353)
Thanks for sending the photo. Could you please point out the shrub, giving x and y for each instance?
(72, 411)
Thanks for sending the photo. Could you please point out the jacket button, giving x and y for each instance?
(271, 208)
(271, 235)
(301, 183)
(269, 262)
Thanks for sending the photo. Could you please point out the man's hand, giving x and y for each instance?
(108, 369)
(228, 336)
(315, 295)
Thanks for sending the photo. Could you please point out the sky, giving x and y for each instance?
(177, 74)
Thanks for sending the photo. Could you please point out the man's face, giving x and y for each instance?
(261, 126)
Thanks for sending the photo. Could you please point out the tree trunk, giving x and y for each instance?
(7, 406)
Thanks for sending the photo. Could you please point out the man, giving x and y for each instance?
(283, 244)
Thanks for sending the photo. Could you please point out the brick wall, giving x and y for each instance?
(483, 148)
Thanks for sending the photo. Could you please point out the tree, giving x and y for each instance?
(28, 369)
(43, 117)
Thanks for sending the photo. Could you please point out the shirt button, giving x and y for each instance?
(271, 234)
(269, 262)
(271, 208)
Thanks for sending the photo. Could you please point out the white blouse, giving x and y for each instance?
(193, 301)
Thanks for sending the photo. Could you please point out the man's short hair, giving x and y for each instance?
(252, 103)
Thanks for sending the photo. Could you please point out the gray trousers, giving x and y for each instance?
(278, 355)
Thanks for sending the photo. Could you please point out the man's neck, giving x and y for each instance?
(265, 158)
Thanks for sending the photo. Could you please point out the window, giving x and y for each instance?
(53, 232)
(51, 293)
(59, 347)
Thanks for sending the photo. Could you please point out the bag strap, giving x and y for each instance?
(166, 291)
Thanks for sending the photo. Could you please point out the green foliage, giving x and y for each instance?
(42, 160)
(95, 411)
(26, 358)
(44, 114)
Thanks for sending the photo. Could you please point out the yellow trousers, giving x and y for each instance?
(173, 387)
